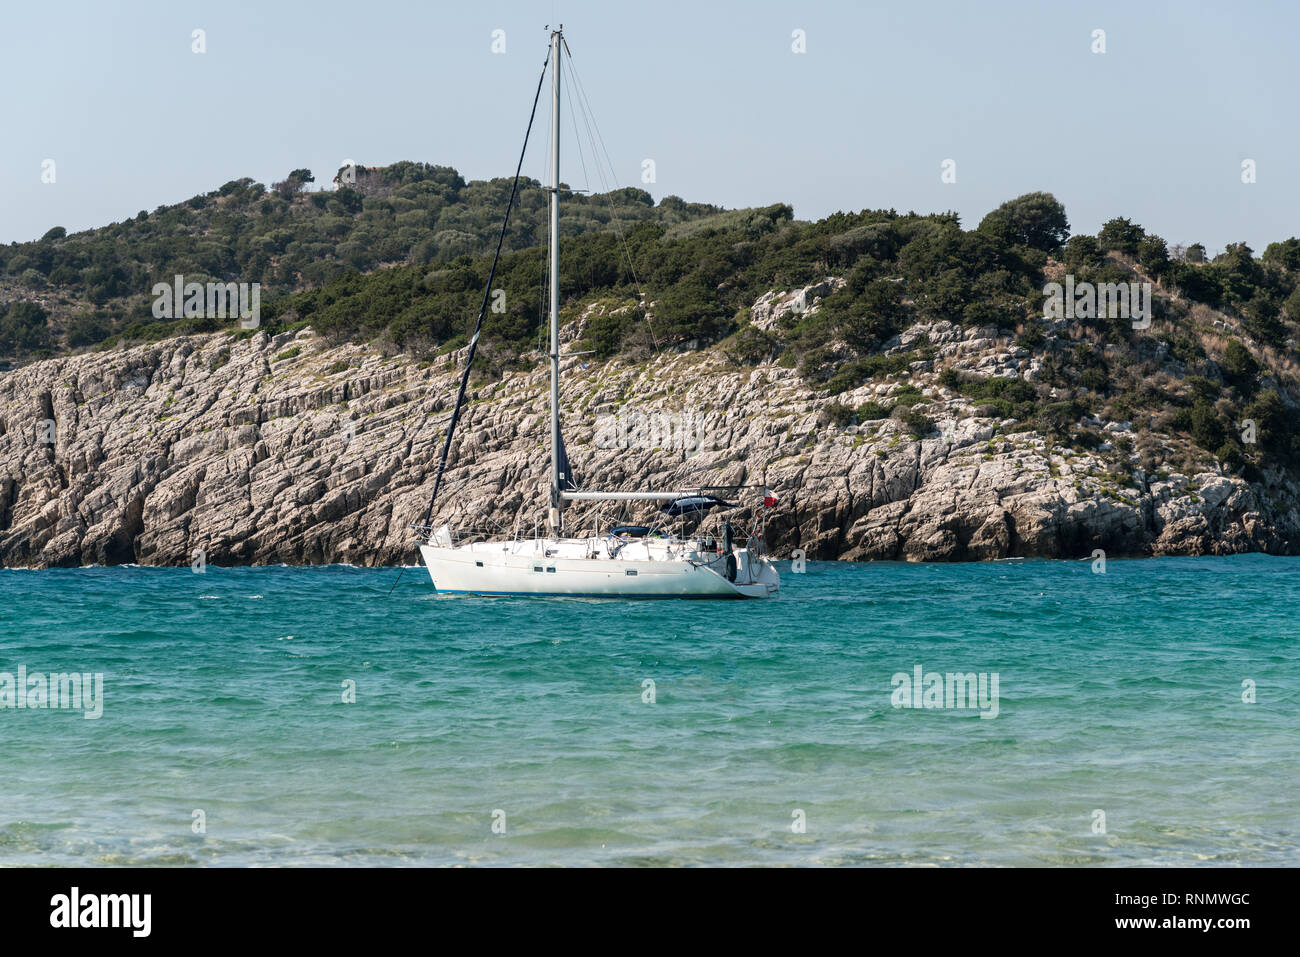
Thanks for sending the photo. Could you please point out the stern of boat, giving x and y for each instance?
(756, 577)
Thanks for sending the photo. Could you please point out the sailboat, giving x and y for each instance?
(626, 561)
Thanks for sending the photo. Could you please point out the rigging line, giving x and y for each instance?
(544, 288)
(618, 230)
(487, 292)
(545, 245)
(577, 139)
(574, 112)
(589, 119)
(541, 308)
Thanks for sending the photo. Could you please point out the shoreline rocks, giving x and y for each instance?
(285, 448)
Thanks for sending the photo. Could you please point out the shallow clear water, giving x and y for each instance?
(223, 692)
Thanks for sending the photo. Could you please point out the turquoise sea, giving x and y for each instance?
(772, 737)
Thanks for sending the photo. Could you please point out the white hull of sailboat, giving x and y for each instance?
(483, 570)
(652, 564)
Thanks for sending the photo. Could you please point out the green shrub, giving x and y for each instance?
(1094, 380)
(907, 396)
(1057, 418)
(1240, 367)
(1206, 390)
(1032, 337)
(753, 346)
(837, 414)
(913, 420)
(855, 373)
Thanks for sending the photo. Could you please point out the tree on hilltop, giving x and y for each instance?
(1036, 220)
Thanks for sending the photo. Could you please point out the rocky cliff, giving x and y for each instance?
(263, 449)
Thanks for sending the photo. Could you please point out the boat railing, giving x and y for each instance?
(460, 534)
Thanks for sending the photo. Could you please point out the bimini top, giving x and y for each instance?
(689, 504)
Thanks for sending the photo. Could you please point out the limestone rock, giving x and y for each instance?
(215, 445)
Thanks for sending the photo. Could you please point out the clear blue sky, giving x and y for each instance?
(1154, 129)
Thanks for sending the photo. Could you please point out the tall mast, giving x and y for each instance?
(557, 503)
